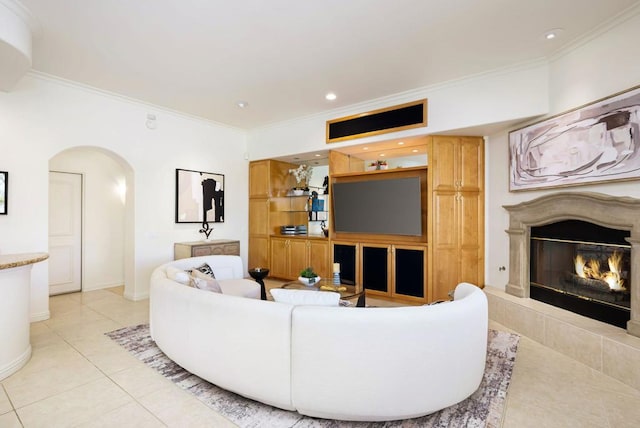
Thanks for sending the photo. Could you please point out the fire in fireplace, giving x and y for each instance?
(584, 268)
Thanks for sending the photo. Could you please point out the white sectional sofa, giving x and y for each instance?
(364, 364)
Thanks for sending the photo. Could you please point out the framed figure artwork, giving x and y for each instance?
(595, 143)
(199, 197)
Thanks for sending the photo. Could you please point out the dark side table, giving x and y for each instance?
(259, 274)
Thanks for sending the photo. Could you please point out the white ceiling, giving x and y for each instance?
(281, 56)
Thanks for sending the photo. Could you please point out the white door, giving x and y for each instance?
(65, 232)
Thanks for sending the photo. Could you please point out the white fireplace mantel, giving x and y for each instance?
(605, 210)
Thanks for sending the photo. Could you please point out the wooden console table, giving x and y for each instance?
(182, 250)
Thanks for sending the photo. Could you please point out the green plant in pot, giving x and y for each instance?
(308, 276)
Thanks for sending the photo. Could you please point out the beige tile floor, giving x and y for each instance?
(77, 377)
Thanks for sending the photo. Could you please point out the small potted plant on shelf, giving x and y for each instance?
(308, 276)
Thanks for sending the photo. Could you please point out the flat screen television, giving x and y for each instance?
(389, 206)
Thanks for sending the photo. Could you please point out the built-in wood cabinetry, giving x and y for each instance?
(271, 206)
(291, 255)
(456, 233)
(385, 270)
(267, 179)
(412, 268)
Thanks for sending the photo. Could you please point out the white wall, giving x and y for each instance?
(103, 215)
(42, 117)
(504, 95)
(601, 67)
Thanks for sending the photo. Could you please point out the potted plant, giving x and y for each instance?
(302, 174)
(308, 276)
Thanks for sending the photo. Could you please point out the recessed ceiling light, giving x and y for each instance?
(415, 150)
(330, 96)
(553, 34)
(400, 143)
(381, 155)
(242, 104)
(365, 148)
(317, 155)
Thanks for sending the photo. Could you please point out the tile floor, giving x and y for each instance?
(77, 377)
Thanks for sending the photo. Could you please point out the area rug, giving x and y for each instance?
(483, 409)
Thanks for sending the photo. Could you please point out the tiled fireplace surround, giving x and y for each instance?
(603, 347)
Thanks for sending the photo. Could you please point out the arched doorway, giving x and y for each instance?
(105, 212)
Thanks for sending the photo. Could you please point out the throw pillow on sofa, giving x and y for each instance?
(205, 268)
(177, 275)
(305, 297)
(204, 282)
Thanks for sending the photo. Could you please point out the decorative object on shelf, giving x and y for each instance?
(206, 229)
(377, 165)
(323, 227)
(199, 196)
(590, 144)
(325, 184)
(302, 175)
(336, 274)
(4, 191)
(308, 276)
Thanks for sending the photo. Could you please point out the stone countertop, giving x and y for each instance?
(8, 261)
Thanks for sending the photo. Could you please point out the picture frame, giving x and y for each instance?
(4, 192)
(595, 143)
(199, 197)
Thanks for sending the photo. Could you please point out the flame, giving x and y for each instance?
(591, 269)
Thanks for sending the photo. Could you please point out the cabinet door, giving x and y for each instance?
(259, 252)
(259, 179)
(259, 216)
(445, 244)
(443, 160)
(471, 240)
(471, 164)
(347, 254)
(409, 271)
(279, 259)
(298, 257)
(319, 258)
(376, 264)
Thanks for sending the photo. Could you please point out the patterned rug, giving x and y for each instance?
(482, 409)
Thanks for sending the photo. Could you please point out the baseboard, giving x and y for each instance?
(16, 364)
(136, 297)
(40, 316)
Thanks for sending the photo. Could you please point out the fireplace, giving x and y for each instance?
(582, 267)
(540, 229)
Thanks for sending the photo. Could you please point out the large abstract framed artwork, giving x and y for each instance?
(199, 197)
(4, 190)
(594, 143)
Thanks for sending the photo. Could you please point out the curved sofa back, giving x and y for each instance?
(224, 266)
(388, 363)
(240, 344)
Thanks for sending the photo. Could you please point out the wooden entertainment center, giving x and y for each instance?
(410, 268)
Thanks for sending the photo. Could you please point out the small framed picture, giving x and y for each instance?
(4, 190)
